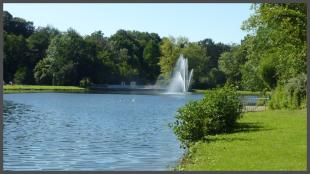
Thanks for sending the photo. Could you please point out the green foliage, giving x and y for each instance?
(169, 52)
(17, 26)
(21, 76)
(15, 55)
(38, 43)
(279, 99)
(190, 123)
(262, 102)
(43, 72)
(216, 78)
(279, 39)
(151, 54)
(273, 52)
(251, 79)
(137, 54)
(199, 59)
(268, 72)
(216, 113)
(24, 46)
(292, 95)
(212, 76)
(230, 64)
(69, 59)
(65, 58)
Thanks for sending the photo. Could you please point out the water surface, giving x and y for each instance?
(74, 131)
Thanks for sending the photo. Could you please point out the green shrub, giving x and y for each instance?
(291, 95)
(216, 113)
(278, 98)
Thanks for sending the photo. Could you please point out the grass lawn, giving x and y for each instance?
(239, 92)
(33, 88)
(265, 141)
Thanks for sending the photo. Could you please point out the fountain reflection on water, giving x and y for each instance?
(181, 79)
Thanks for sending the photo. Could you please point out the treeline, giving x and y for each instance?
(45, 55)
(273, 56)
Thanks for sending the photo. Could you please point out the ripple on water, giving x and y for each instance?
(59, 131)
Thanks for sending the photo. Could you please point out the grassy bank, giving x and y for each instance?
(37, 88)
(270, 140)
(239, 92)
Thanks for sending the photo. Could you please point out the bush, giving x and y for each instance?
(216, 113)
(278, 99)
(292, 95)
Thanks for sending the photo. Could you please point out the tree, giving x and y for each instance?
(70, 59)
(44, 72)
(138, 58)
(169, 54)
(283, 36)
(151, 54)
(22, 75)
(15, 55)
(197, 60)
(214, 51)
(230, 64)
(104, 65)
(39, 41)
(127, 73)
(17, 26)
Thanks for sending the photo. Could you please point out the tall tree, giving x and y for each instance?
(169, 52)
(279, 32)
(16, 25)
(151, 54)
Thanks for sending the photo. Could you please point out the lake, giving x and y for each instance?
(84, 131)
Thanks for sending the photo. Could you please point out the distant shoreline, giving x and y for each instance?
(7, 89)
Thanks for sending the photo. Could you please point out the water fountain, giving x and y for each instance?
(179, 83)
(181, 79)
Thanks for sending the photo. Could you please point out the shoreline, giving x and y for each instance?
(7, 89)
(259, 93)
(10, 89)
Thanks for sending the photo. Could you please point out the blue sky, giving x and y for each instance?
(220, 22)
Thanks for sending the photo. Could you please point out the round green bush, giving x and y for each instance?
(216, 113)
(291, 95)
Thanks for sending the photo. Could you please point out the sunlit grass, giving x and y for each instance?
(34, 88)
(270, 140)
